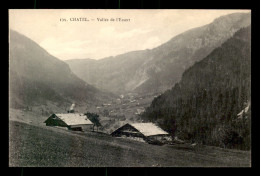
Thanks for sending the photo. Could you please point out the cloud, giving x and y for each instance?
(107, 31)
(110, 32)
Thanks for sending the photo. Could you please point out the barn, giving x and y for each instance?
(76, 122)
(141, 131)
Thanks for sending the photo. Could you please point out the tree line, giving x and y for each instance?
(203, 106)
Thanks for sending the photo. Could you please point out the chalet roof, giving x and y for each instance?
(148, 129)
(74, 119)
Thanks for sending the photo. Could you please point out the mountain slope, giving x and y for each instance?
(36, 77)
(156, 70)
(204, 105)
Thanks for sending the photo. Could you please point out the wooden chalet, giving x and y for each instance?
(76, 122)
(145, 131)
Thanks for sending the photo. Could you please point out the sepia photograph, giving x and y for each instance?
(129, 87)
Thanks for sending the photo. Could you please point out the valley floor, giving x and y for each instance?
(34, 145)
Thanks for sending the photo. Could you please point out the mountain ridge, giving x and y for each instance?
(156, 70)
(35, 76)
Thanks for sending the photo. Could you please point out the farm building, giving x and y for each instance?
(145, 131)
(76, 122)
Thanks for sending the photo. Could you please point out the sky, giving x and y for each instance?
(93, 39)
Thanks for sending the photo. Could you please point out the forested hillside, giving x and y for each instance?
(203, 106)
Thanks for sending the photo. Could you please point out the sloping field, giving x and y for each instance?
(31, 145)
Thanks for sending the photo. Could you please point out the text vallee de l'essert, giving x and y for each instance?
(99, 19)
